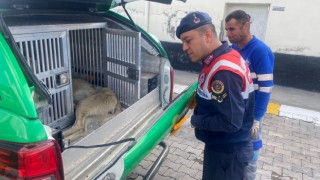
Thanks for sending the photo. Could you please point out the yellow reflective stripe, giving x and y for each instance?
(256, 86)
(265, 77)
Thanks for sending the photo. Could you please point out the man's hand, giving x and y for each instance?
(255, 128)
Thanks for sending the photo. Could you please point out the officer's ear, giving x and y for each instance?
(209, 35)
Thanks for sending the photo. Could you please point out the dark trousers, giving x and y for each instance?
(226, 165)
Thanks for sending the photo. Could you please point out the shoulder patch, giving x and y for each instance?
(217, 87)
(208, 60)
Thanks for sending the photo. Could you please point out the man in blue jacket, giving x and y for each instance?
(223, 115)
(261, 62)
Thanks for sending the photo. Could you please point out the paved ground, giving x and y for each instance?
(291, 145)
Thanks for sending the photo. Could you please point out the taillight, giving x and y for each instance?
(172, 84)
(41, 160)
(166, 85)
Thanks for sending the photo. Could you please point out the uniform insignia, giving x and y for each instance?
(196, 19)
(219, 98)
(201, 79)
(217, 87)
(208, 59)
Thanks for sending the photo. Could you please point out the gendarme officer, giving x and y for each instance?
(223, 115)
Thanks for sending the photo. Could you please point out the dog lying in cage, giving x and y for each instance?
(95, 105)
(81, 89)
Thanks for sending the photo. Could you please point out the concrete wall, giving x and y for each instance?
(292, 27)
(292, 31)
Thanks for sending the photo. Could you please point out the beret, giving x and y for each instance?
(192, 21)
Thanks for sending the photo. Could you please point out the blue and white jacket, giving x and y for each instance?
(261, 63)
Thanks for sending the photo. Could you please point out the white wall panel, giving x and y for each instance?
(292, 26)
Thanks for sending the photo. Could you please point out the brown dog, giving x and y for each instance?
(92, 112)
(81, 89)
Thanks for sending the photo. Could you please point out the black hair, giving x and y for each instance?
(240, 16)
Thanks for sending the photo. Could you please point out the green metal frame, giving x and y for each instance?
(19, 119)
(159, 131)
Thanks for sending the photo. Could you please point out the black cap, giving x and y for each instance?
(192, 21)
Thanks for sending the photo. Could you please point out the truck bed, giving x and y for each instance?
(155, 126)
(121, 127)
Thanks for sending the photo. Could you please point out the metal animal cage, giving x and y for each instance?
(105, 57)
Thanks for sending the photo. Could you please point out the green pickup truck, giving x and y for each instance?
(44, 45)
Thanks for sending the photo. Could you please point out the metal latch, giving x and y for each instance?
(133, 74)
(62, 79)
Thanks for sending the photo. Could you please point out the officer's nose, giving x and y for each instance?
(184, 47)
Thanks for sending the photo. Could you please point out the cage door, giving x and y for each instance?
(122, 65)
(46, 54)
